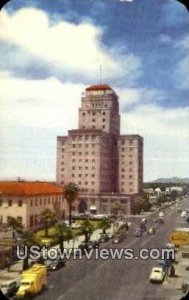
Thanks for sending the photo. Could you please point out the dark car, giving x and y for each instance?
(138, 232)
(57, 264)
(85, 246)
(104, 238)
(164, 263)
(95, 244)
(118, 239)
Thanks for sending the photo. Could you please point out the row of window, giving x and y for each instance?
(45, 201)
(94, 127)
(10, 202)
(80, 146)
(94, 113)
(127, 141)
(82, 153)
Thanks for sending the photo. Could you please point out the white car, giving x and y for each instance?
(183, 214)
(157, 275)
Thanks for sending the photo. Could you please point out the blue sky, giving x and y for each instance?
(51, 50)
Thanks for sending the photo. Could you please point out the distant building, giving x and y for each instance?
(178, 189)
(107, 166)
(26, 200)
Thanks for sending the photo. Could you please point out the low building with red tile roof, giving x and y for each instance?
(26, 200)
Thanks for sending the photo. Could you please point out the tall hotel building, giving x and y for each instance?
(107, 166)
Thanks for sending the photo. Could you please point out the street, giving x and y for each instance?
(116, 279)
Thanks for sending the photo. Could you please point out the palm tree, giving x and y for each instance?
(104, 224)
(63, 233)
(47, 217)
(87, 229)
(117, 207)
(15, 223)
(71, 192)
(29, 240)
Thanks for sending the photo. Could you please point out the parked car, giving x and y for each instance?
(57, 264)
(118, 239)
(85, 246)
(104, 238)
(138, 232)
(157, 274)
(164, 263)
(95, 243)
(9, 287)
(151, 230)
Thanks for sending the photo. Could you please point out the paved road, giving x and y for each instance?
(114, 279)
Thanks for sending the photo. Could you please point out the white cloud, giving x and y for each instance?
(166, 138)
(43, 103)
(67, 46)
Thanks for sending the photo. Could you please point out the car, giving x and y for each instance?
(85, 246)
(138, 232)
(104, 238)
(95, 243)
(8, 287)
(151, 230)
(157, 275)
(57, 264)
(118, 239)
(164, 263)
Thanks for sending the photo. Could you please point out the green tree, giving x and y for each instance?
(104, 224)
(47, 218)
(15, 223)
(117, 207)
(28, 239)
(64, 233)
(71, 193)
(87, 229)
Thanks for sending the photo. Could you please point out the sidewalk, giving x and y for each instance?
(181, 274)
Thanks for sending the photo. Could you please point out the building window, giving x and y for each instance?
(36, 202)
(20, 202)
(31, 220)
(93, 175)
(86, 182)
(93, 120)
(10, 203)
(104, 113)
(80, 168)
(62, 149)
(122, 170)
(86, 153)
(103, 120)
(93, 126)
(1, 202)
(86, 160)
(130, 176)
(130, 142)
(130, 162)
(92, 182)
(73, 168)
(73, 175)
(86, 145)
(122, 176)
(83, 114)
(122, 156)
(31, 203)
(103, 126)
(80, 153)
(94, 113)
(123, 142)
(62, 169)
(73, 146)
(86, 168)
(44, 202)
(79, 175)
(130, 183)
(73, 153)
(122, 149)
(86, 175)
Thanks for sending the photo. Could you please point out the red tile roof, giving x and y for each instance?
(22, 188)
(98, 87)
